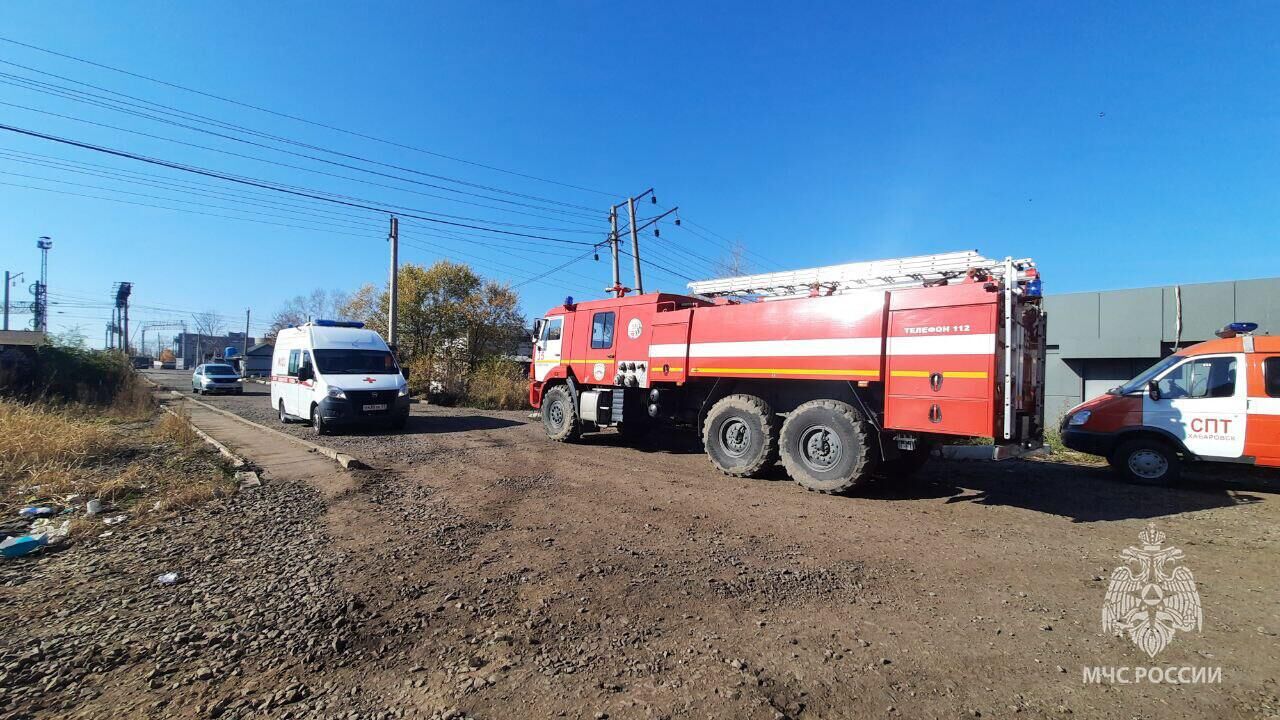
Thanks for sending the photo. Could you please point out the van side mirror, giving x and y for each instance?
(405, 372)
(1153, 390)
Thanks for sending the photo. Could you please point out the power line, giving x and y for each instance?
(303, 120)
(286, 165)
(268, 186)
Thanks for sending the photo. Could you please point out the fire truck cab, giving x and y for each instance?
(841, 372)
(1216, 401)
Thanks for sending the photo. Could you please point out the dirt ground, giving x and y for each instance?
(484, 571)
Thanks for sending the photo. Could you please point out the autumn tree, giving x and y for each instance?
(320, 303)
(450, 319)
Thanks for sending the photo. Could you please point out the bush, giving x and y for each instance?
(498, 384)
(66, 374)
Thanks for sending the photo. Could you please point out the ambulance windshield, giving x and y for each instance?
(352, 362)
(1146, 376)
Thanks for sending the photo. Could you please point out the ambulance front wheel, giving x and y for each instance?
(560, 415)
(1147, 460)
(828, 447)
(317, 421)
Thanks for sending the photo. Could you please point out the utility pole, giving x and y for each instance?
(616, 288)
(123, 291)
(394, 289)
(41, 288)
(244, 353)
(635, 243)
(9, 279)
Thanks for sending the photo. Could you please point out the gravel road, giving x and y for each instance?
(482, 570)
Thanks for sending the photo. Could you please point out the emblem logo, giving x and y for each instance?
(598, 371)
(369, 380)
(1148, 599)
(634, 328)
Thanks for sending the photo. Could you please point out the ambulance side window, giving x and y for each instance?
(294, 357)
(602, 330)
(1271, 376)
(1213, 377)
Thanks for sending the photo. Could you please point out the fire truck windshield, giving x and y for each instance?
(1146, 376)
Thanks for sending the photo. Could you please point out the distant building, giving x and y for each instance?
(1098, 340)
(257, 362)
(192, 349)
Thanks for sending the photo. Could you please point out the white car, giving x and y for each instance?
(216, 378)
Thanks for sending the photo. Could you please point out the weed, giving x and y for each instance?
(498, 384)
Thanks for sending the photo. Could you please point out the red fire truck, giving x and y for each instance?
(844, 371)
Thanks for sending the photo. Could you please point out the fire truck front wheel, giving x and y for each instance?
(560, 415)
(1146, 460)
(827, 447)
(741, 435)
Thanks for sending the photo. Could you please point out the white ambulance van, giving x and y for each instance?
(333, 373)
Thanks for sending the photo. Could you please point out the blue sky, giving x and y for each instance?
(1119, 145)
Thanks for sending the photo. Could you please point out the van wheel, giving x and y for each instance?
(317, 421)
(741, 435)
(284, 417)
(1147, 460)
(828, 447)
(560, 415)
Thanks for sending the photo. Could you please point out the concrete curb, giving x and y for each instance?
(236, 460)
(346, 461)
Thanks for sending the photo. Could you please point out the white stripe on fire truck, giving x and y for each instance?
(982, 344)
(1263, 406)
(821, 347)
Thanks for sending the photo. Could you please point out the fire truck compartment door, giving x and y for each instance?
(1203, 403)
(669, 347)
(941, 369)
(939, 415)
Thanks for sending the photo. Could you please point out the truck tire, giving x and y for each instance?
(908, 462)
(1147, 460)
(741, 435)
(560, 415)
(828, 447)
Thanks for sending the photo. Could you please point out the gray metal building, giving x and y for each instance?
(1097, 340)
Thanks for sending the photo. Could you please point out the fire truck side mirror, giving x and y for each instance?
(1153, 390)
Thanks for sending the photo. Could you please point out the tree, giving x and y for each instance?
(73, 337)
(450, 319)
(734, 264)
(208, 323)
(300, 309)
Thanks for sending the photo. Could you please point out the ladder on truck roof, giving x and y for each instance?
(851, 277)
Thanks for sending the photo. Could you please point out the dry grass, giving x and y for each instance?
(133, 399)
(48, 453)
(38, 444)
(177, 429)
(498, 385)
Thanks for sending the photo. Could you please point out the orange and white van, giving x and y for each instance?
(1216, 401)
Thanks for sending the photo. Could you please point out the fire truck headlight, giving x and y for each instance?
(1079, 418)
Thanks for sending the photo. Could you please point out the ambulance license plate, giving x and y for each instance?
(375, 408)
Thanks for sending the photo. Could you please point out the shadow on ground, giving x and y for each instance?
(1081, 493)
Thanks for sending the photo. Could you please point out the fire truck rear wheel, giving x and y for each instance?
(560, 415)
(741, 435)
(828, 447)
(1147, 460)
